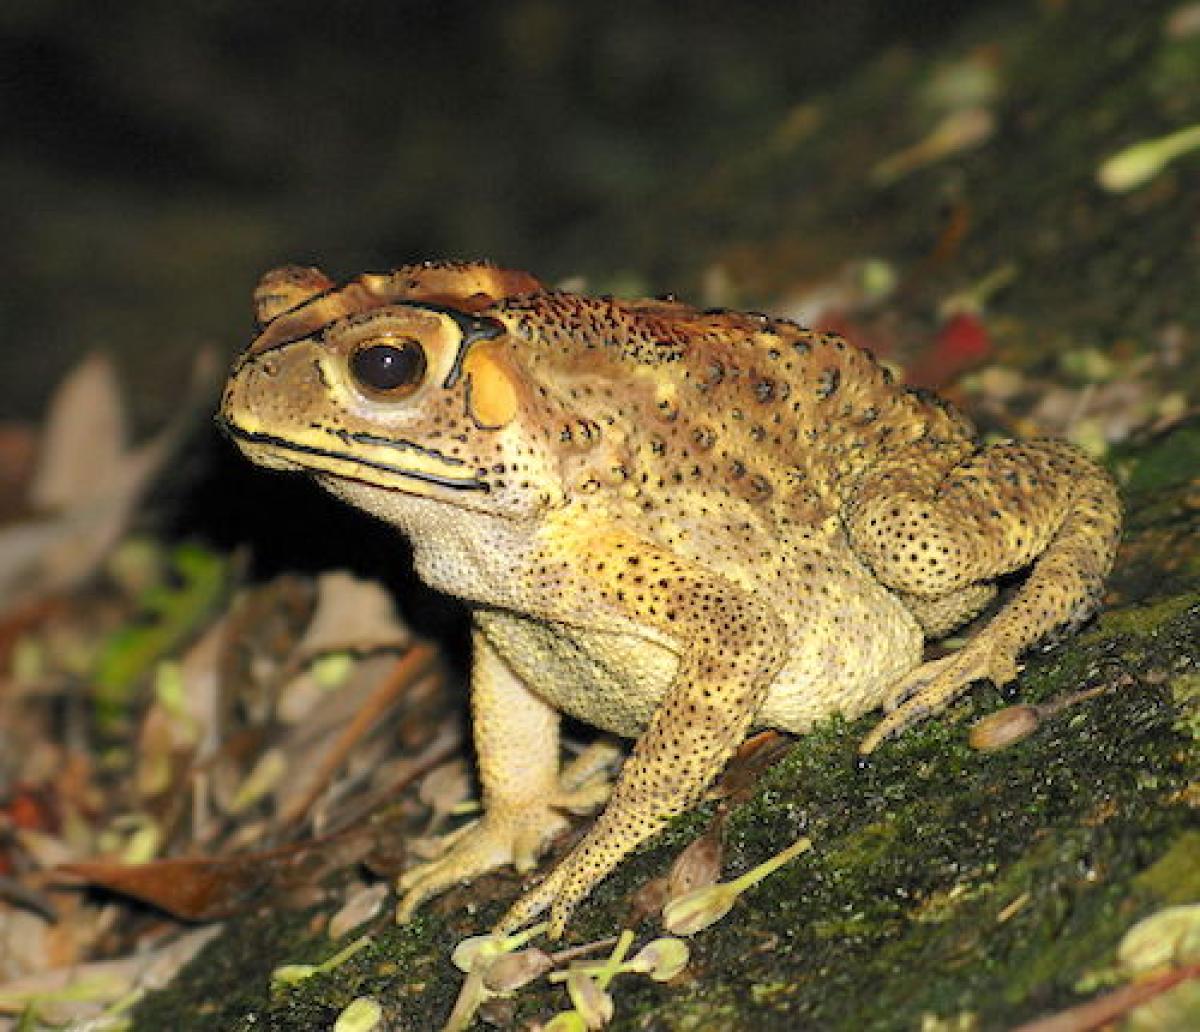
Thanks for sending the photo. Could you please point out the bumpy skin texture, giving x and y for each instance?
(676, 525)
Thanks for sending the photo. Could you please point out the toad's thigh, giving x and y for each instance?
(850, 639)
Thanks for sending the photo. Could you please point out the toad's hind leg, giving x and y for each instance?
(939, 616)
(933, 522)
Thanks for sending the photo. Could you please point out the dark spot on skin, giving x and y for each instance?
(828, 383)
(714, 373)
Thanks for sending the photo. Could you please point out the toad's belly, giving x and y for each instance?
(842, 659)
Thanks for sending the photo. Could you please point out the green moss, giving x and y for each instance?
(1175, 876)
(1185, 689)
(1141, 620)
(1173, 462)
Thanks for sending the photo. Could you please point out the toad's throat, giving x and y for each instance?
(281, 444)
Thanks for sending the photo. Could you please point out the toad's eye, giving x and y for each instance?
(394, 367)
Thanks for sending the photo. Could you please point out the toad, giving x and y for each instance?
(676, 525)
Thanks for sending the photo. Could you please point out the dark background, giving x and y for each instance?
(158, 157)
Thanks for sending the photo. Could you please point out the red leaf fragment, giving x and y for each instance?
(962, 343)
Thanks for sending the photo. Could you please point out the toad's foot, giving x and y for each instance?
(491, 842)
(570, 883)
(563, 889)
(933, 686)
(502, 836)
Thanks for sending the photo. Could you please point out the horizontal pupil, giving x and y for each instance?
(385, 367)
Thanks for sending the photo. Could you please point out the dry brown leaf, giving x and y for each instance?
(391, 777)
(1104, 1010)
(646, 901)
(362, 905)
(512, 971)
(699, 864)
(204, 888)
(199, 670)
(443, 789)
(23, 947)
(20, 546)
(18, 454)
(1111, 412)
(105, 981)
(84, 440)
(88, 479)
(299, 794)
(155, 753)
(45, 849)
(262, 633)
(310, 743)
(353, 615)
(182, 720)
(31, 942)
(89, 529)
(301, 696)
(754, 757)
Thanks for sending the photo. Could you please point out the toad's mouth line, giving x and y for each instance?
(282, 444)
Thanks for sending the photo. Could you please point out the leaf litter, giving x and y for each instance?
(175, 733)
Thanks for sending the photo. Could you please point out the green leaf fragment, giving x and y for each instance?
(695, 911)
(360, 1015)
(1170, 936)
(1137, 165)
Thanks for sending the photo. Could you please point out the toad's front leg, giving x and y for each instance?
(730, 647)
(524, 795)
